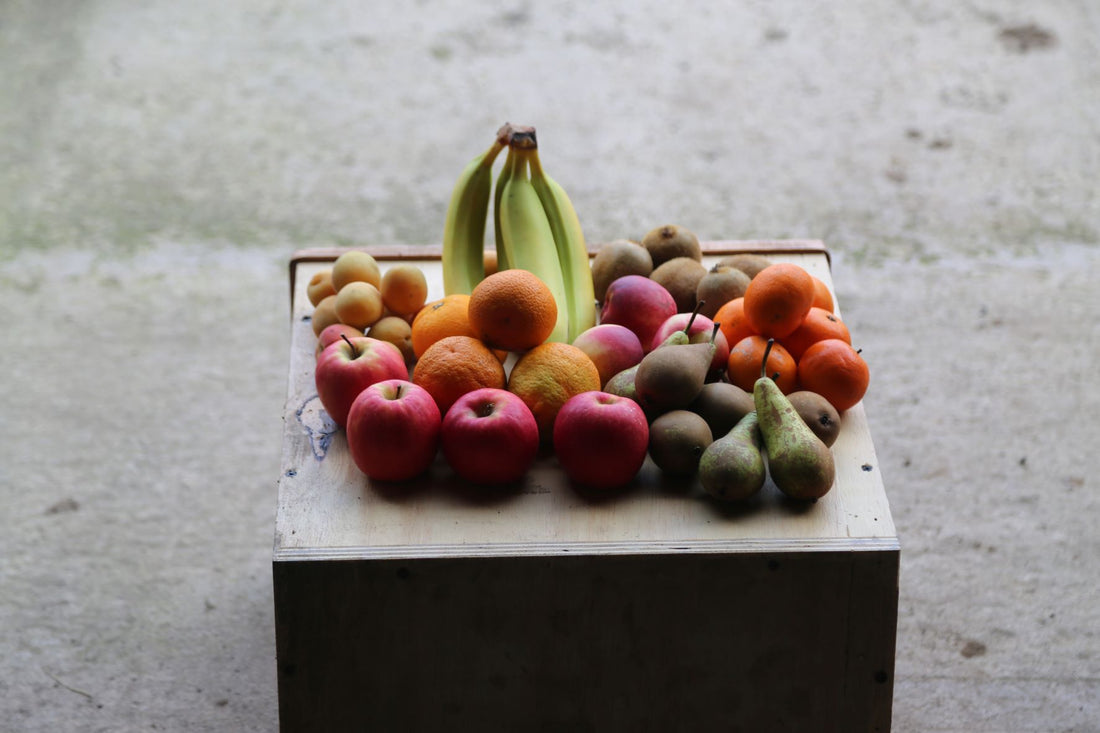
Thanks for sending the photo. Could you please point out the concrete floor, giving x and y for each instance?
(159, 161)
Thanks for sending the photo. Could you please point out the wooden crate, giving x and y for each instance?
(444, 606)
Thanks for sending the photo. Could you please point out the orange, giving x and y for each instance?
(746, 358)
(818, 325)
(732, 321)
(513, 310)
(547, 376)
(823, 297)
(439, 319)
(455, 365)
(778, 298)
(836, 371)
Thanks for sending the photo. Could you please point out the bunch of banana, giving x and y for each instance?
(535, 227)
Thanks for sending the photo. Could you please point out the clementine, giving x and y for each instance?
(778, 298)
(836, 371)
(447, 316)
(747, 356)
(547, 376)
(818, 325)
(455, 365)
(513, 310)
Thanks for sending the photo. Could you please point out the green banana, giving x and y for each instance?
(464, 230)
(572, 251)
(528, 239)
(502, 180)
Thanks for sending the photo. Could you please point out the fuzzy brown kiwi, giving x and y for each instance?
(719, 286)
(680, 276)
(677, 439)
(616, 259)
(748, 263)
(668, 241)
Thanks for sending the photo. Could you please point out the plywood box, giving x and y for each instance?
(444, 606)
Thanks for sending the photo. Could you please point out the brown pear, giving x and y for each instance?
(670, 377)
(818, 413)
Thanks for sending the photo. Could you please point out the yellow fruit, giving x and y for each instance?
(320, 287)
(358, 304)
(355, 266)
(404, 289)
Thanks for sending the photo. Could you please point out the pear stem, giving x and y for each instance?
(354, 351)
(764, 362)
(714, 332)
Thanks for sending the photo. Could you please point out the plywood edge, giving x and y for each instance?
(577, 549)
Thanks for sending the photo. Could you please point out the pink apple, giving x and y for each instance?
(699, 332)
(638, 303)
(490, 436)
(348, 366)
(611, 347)
(332, 333)
(393, 430)
(601, 439)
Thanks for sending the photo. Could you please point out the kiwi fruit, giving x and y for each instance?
(617, 259)
(719, 286)
(680, 276)
(670, 241)
(816, 412)
(722, 405)
(677, 439)
(748, 263)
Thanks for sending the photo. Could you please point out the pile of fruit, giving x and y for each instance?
(729, 373)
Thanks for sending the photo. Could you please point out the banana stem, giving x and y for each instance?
(523, 138)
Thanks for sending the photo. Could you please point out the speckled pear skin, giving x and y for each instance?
(801, 466)
(732, 467)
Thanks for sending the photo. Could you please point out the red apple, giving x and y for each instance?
(350, 365)
(332, 333)
(611, 347)
(490, 436)
(601, 439)
(699, 332)
(638, 303)
(393, 430)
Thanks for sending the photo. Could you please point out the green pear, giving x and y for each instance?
(800, 464)
(622, 384)
(732, 468)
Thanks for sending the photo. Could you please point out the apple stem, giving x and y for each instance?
(698, 307)
(354, 351)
